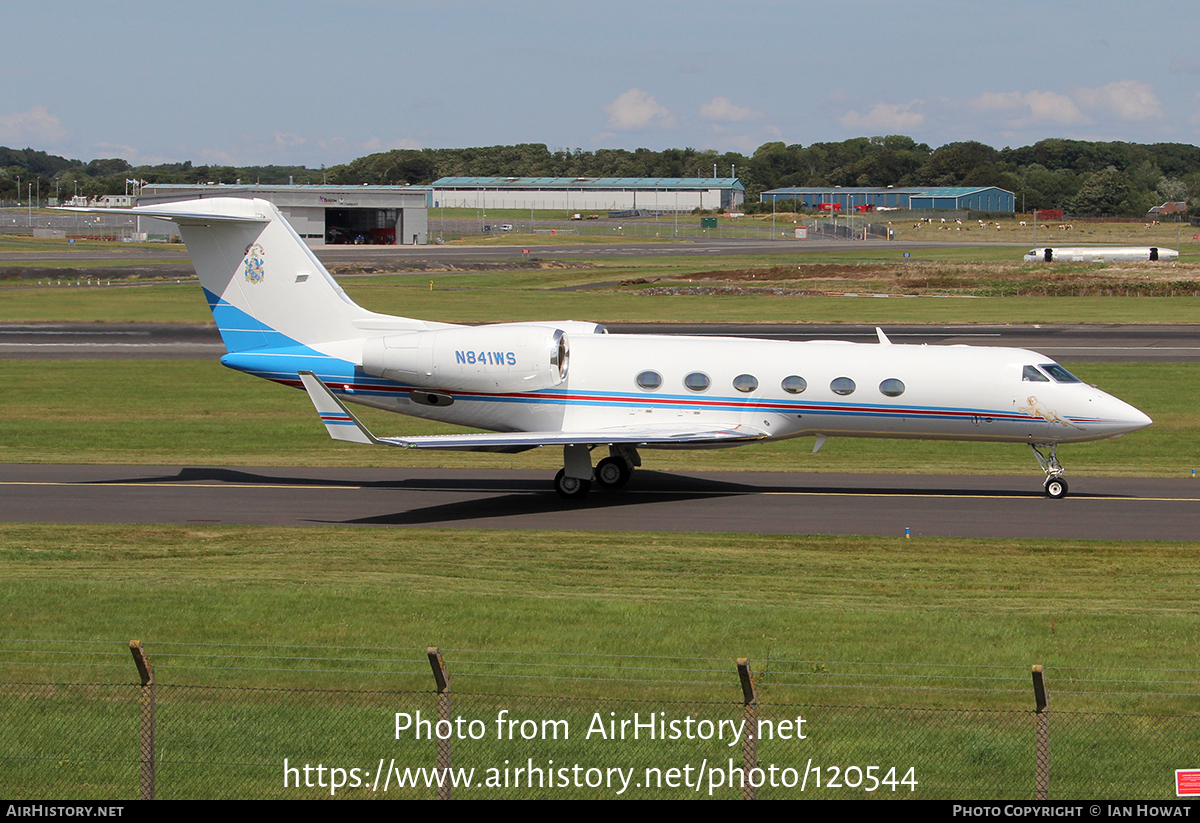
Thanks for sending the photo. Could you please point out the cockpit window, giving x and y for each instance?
(1030, 374)
(1059, 374)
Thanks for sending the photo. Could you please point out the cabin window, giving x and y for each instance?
(794, 384)
(842, 386)
(649, 380)
(1059, 374)
(697, 381)
(1030, 374)
(891, 387)
(745, 382)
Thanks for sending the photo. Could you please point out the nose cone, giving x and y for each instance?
(1123, 418)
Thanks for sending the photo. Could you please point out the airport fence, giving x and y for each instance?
(576, 726)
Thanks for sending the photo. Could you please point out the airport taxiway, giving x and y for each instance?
(1126, 508)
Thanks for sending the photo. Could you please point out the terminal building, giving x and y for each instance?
(657, 194)
(947, 198)
(321, 215)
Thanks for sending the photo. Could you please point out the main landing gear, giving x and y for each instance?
(1056, 487)
(574, 481)
(613, 472)
(571, 488)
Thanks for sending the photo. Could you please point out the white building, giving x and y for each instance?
(683, 194)
(322, 215)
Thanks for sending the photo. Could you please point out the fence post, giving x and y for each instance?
(441, 676)
(750, 726)
(146, 672)
(1042, 719)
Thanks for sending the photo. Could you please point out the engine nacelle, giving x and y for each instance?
(498, 358)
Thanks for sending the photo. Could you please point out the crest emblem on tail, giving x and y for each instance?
(254, 263)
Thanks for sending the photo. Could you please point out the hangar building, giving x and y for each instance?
(590, 193)
(321, 215)
(974, 198)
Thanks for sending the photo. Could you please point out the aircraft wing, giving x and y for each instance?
(341, 424)
(631, 435)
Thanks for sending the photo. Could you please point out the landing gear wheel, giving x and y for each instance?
(1056, 488)
(612, 473)
(570, 488)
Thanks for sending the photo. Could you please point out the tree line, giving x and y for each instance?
(1081, 177)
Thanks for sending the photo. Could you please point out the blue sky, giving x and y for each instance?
(322, 83)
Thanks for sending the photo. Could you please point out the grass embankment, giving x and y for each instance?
(197, 412)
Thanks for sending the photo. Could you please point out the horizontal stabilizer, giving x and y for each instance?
(339, 422)
(175, 215)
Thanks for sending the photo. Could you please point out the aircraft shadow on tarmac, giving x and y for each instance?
(509, 497)
(519, 505)
(211, 474)
(647, 488)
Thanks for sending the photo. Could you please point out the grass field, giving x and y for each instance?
(777, 600)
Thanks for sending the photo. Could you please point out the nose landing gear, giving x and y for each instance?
(1056, 486)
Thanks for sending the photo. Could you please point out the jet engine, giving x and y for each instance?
(497, 358)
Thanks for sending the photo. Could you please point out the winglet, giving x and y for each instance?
(883, 338)
(339, 422)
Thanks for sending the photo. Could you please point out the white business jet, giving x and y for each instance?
(1099, 254)
(570, 384)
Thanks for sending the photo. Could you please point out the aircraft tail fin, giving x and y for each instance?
(264, 285)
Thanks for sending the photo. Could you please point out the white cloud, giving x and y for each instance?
(635, 109)
(1127, 99)
(893, 117)
(722, 108)
(286, 138)
(1042, 107)
(35, 125)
